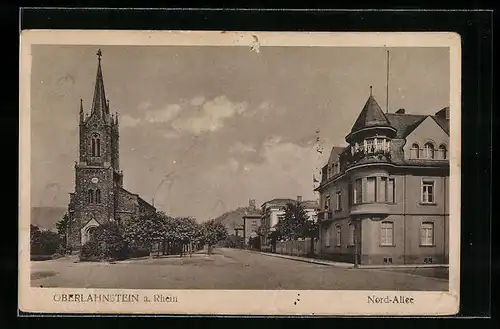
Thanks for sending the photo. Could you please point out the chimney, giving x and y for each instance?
(444, 113)
(401, 111)
(251, 203)
(299, 198)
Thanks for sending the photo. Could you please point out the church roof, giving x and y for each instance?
(99, 103)
(371, 116)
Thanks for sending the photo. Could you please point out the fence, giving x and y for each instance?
(296, 248)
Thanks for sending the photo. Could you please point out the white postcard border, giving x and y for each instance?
(240, 302)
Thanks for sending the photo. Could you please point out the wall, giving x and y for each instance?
(296, 248)
(127, 206)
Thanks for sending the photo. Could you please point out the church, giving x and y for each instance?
(99, 195)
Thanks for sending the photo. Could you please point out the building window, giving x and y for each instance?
(327, 238)
(414, 153)
(338, 200)
(369, 146)
(357, 193)
(391, 190)
(386, 234)
(427, 234)
(427, 191)
(336, 168)
(327, 202)
(371, 187)
(338, 236)
(91, 196)
(380, 144)
(352, 231)
(98, 196)
(96, 146)
(429, 151)
(442, 152)
(382, 191)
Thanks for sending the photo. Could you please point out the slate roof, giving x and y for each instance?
(335, 153)
(371, 116)
(406, 123)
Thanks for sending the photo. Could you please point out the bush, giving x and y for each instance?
(43, 242)
(106, 244)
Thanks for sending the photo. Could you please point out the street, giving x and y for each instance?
(225, 269)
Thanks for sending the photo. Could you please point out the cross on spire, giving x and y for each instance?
(99, 54)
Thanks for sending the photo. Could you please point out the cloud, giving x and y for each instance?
(197, 101)
(170, 135)
(210, 117)
(144, 105)
(166, 114)
(128, 121)
(240, 147)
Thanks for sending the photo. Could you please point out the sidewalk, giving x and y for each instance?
(305, 259)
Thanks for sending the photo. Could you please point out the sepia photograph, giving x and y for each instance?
(162, 169)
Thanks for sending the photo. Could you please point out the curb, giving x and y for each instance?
(303, 259)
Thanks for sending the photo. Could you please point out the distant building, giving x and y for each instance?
(251, 222)
(384, 197)
(99, 195)
(274, 210)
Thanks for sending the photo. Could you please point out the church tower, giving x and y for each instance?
(97, 173)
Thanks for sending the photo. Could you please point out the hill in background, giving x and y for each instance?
(47, 217)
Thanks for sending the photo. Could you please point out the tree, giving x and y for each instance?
(146, 231)
(43, 242)
(213, 232)
(293, 223)
(107, 242)
(62, 226)
(310, 230)
(185, 232)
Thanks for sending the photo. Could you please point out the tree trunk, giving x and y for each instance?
(150, 250)
(190, 249)
(312, 247)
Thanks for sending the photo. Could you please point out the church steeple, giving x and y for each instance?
(99, 104)
(81, 111)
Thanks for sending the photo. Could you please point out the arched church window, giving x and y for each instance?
(98, 196)
(442, 152)
(91, 196)
(429, 150)
(96, 145)
(414, 151)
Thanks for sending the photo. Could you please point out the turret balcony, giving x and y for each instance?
(370, 209)
(367, 155)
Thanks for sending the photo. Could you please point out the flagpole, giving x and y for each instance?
(387, 86)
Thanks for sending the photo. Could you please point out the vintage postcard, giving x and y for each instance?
(239, 173)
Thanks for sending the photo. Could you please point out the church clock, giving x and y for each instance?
(95, 180)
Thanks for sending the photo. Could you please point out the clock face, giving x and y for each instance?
(95, 180)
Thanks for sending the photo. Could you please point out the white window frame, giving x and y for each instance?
(352, 232)
(355, 192)
(423, 183)
(415, 152)
(374, 178)
(338, 200)
(384, 236)
(427, 154)
(424, 236)
(443, 152)
(338, 236)
(389, 179)
(385, 189)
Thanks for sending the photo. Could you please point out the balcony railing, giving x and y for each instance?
(370, 153)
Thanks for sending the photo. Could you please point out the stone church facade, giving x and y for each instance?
(99, 195)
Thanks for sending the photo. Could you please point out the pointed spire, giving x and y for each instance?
(81, 110)
(371, 115)
(99, 103)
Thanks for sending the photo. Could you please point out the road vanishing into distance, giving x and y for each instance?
(225, 269)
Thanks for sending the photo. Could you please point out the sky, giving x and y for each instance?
(205, 129)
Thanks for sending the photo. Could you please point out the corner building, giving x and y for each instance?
(99, 194)
(384, 197)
